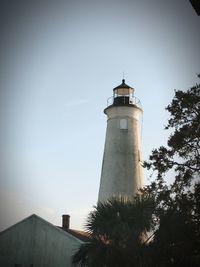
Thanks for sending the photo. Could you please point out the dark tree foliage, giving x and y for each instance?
(117, 230)
(176, 241)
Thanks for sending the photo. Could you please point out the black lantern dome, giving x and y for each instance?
(123, 94)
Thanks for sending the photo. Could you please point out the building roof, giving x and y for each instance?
(83, 236)
(123, 85)
(80, 235)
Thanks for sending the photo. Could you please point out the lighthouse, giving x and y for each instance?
(122, 171)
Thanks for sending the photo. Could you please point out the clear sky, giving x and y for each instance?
(59, 63)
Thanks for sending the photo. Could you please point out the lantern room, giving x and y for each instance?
(123, 94)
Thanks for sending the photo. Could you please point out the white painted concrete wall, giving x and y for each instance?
(122, 172)
(35, 241)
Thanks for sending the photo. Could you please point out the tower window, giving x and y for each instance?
(123, 124)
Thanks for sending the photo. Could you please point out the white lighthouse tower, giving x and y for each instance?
(122, 171)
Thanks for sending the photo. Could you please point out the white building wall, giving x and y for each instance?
(36, 243)
(16, 244)
(122, 172)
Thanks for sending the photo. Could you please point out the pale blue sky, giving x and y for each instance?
(61, 61)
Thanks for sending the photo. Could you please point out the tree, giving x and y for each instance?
(117, 229)
(176, 241)
(183, 151)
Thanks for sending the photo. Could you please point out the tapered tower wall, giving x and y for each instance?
(122, 171)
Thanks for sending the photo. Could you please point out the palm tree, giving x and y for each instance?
(117, 230)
